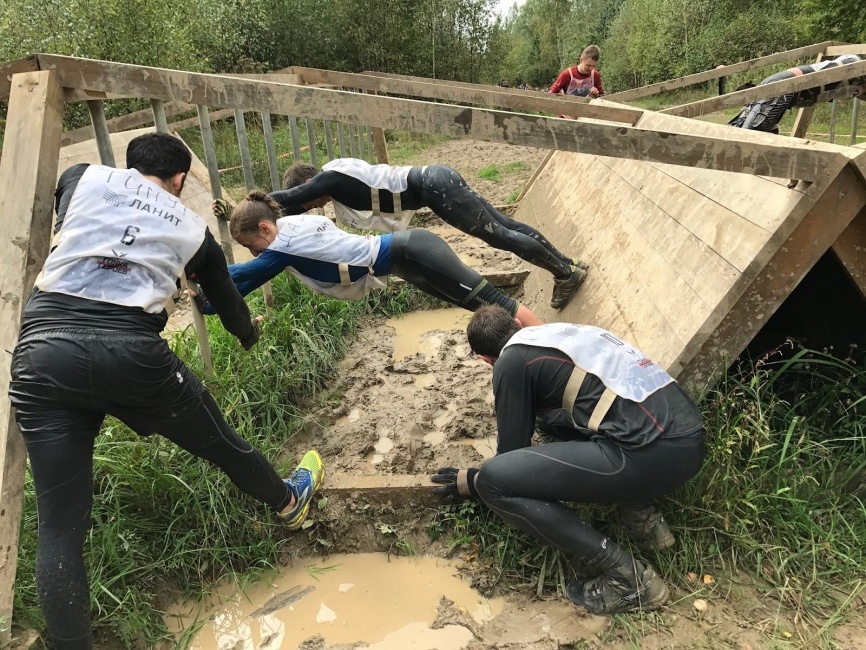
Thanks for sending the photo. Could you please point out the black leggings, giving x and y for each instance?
(765, 114)
(425, 260)
(447, 194)
(526, 487)
(64, 382)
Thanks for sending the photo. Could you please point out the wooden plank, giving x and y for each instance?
(850, 248)
(296, 146)
(855, 118)
(311, 142)
(200, 327)
(833, 112)
(273, 168)
(214, 175)
(25, 64)
(746, 155)
(125, 122)
(774, 89)
(329, 140)
(786, 263)
(535, 174)
(473, 94)
(28, 171)
(804, 115)
(850, 48)
(244, 148)
(103, 138)
(721, 71)
(389, 487)
(159, 118)
(341, 140)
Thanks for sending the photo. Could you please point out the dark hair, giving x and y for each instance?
(298, 174)
(249, 213)
(489, 330)
(158, 154)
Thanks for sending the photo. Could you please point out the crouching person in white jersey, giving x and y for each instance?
(342, 265)
(383, 198)
(90, 345)
(626, 434)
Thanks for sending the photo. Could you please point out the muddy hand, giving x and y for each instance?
(222, 209)
(253, 338)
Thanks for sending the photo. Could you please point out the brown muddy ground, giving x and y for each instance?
(410, 397)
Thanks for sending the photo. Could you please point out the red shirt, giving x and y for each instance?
(564, 79)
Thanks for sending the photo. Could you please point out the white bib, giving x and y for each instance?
(124, 240)
(317, 238)
(377, 177)
(623, 369)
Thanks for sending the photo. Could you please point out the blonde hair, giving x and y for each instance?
(591, 52)
(255, 208)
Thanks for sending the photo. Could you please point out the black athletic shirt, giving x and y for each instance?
(347, 190)
(528, 380)
(50, 311)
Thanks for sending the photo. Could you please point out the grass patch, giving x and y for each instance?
(165, 523)
(494, 172)
(511, 198)
(404, 147)
(780, 495)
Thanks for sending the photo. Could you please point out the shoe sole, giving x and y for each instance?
(652, 603)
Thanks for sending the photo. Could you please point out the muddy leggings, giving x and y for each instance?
(527, 487)
(445, 192)
(64, 382)
(765, 115)
(426, 261)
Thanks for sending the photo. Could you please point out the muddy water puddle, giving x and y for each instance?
(367, 598)
(420, 332)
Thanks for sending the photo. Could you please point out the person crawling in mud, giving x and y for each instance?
(382, 198)
(623, 432)
(342, 265)
(90, 346)
(765, 114)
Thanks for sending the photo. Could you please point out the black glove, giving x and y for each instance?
(456, 484)
(253, 338)
(200, 300)
(222, 210)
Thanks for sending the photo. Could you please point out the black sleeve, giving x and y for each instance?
(65, 189)
(211, 272)
(345, 189)
(515, 403)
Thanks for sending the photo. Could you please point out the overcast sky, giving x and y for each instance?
(502, 6)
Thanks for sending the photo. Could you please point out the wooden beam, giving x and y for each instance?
(475, 94)
(804, 115)
(534, 176)
(125, 122)
(851, 48)
(746, 155)
(26, 64)
(28, 173)
(717, 73)
(850, 249)
(824, 222)
(774, 89)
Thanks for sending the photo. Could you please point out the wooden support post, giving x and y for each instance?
(268, 130)
(371, 152)
(244, 147)
(200, 328)
(362, 142)
(100, 130)
(855, 116)
(28, 173)
(352, 149)
(311, 140)
(341, 139)
(722, 81)
(804, 115)
(214, 176)
(159, 119)
(380, 145)
(329, 140)
(833, 109)
(296, 147)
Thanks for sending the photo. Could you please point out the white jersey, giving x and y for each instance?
(124, 240)
(377, 177)
(317, 238)
(623, 369)
(844, 59)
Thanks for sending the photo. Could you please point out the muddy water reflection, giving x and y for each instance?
(413, 331)
(388, 605)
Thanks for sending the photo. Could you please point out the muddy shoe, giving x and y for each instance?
(646, 527)
(304, 482)
(579, 263)
(619, 592)
(564, 289)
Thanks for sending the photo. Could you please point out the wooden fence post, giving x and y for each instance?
(100, 130)
(28, 173)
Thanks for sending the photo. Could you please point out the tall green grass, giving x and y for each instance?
(166, 523)
(780, 495)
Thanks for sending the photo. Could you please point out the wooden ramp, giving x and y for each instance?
(686, 263)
